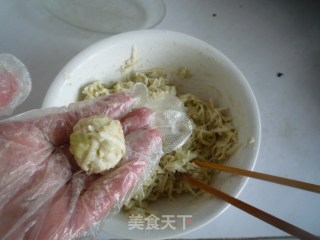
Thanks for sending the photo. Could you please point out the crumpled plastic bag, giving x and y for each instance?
(15, 83)
(44, 194)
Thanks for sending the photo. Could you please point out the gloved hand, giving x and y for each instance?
(43, 193)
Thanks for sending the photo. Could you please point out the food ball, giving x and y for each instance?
(97, 143)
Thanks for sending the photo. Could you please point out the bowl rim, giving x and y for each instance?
(74, 62)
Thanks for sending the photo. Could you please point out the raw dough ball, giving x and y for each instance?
(97, 143)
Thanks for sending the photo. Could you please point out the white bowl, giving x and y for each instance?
(213, 75)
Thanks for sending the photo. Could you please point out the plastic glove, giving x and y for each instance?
(42, 193)
(15, 83)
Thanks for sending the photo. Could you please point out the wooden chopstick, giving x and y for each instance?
(266, 217)
(266, 177)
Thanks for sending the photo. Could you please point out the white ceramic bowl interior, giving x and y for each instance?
(213, 76)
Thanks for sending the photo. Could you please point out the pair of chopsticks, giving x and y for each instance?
(264, 216)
